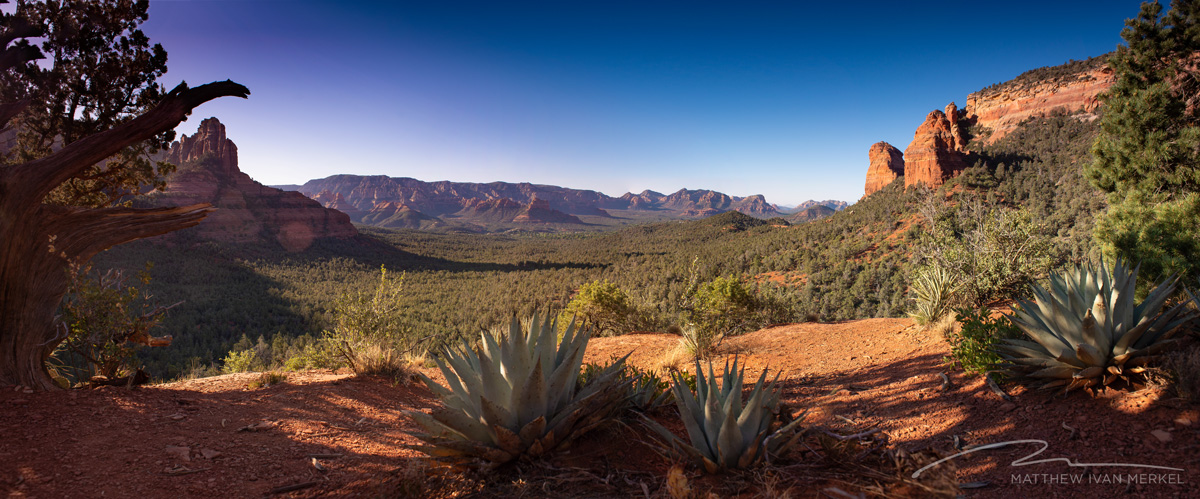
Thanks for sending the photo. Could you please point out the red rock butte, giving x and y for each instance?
(247, 211)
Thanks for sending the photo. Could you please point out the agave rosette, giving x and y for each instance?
(1086, 330)
(723, 432)
(516, 396)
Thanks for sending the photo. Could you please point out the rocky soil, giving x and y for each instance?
(330, 434)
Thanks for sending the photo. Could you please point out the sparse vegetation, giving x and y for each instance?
(973, 343)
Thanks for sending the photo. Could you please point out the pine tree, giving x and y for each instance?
(1147, 155)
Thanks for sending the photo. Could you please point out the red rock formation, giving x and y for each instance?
(247, 211)
(887, 163)
(209, 140)
(932, 157)
(755, 205)
(1001, 109)
(959, 135)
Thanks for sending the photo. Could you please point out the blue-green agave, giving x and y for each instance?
(1086, 330)
(723, 432)
(516, 396)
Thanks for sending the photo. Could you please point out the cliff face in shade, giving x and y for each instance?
(1002, 108)
(933, 155)
(247, 211)
(887, 164)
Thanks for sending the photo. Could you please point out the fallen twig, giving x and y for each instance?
(945, 382)
(851, 437)
(1073, 430)
(290, 488)
(996, 388)
(326, 456)
(184, 471)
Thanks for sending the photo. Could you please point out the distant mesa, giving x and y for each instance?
(509, 204)
(938, 149)
(811, 214)
(247, 211)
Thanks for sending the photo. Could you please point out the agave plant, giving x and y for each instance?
(933, 291)
(723, 432)
(516, 396)
(1085, 329)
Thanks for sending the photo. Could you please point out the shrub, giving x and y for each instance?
(603, 305)
(1184, 369)
(369, 330)
(240, 362)
(105, 318)
(973, 344)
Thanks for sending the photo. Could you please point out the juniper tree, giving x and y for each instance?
(84, 119)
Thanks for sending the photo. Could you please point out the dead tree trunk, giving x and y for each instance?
(37, 241)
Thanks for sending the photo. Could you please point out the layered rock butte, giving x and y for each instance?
(247, 211)
(363, 197)
(938, 149)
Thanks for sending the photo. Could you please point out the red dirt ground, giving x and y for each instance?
(183, 440)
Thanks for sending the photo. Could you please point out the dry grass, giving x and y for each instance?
(268, 379)
(1184, 368)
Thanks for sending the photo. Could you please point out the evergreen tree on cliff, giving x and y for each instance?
(1147, 156)
(85, 121)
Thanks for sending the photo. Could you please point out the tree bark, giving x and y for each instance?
(38, 241)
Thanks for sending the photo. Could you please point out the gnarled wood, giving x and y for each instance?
(37, 241)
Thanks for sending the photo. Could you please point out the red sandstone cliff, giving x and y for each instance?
(1002, 108)
(247, 211)
(887, 163)
(934, 154)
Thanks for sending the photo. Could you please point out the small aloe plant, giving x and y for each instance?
(723, 432)
(516, 396)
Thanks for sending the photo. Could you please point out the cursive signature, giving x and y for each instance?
(1024, 460)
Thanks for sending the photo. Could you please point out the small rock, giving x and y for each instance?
(209, 453)
(1161, 435)
(1183, 421)
(1008, 406)
(177, 416)
(183, 453)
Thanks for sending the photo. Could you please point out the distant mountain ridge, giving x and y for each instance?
(363, 197)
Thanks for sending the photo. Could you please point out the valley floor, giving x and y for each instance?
(216, 437)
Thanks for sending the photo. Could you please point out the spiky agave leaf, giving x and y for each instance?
(1087, 330)
(723, 432)
(515, 395)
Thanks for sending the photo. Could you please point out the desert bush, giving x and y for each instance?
(1184, 369)
(240, 361)
(267, 379)
(604, 305)
(973, 343)
(369, 330)
(988, 252)
(104, 318)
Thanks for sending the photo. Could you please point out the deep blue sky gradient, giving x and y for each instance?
(781, 99)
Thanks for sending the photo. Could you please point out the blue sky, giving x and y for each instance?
(780, 99)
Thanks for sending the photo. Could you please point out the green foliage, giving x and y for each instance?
(645, 390)
(105, 317)
(369, 330)
(240, 362)
(973, 344)
(602, 304)
(1146, 156)
(104, 71)
(987, 252)
(1085, 329)
(517, 396)
(724, 305)
(932, 290)
(267, 379)
(723, 431)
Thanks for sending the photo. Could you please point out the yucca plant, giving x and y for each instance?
(516, 396)
(933, 291)
(723, 432)
(1085, 329)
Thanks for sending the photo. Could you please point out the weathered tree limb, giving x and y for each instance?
(86, 232)
(39, 177)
